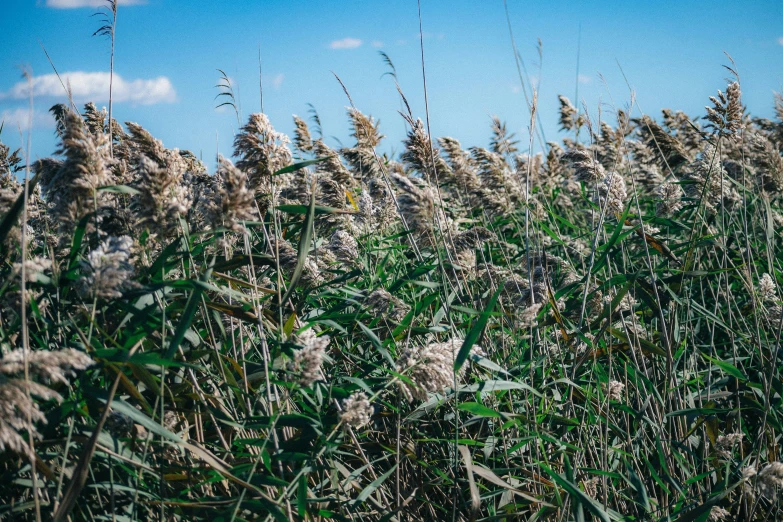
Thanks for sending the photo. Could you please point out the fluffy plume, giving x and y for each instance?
(666, 151)
(108, 270)
(614, 390)
(669, 199)
(308, 359)
(16, 403)
(569, 116)
(709, 181)
(163, 199)
(718, 514)
(236, 199)
(586, 167)
(767, 288)
(302, 140)
(725, 116)
(381, 302)
(611, 193)
(33, 267)
(361, 157)
(344, 247)
(331, 166)
(528, 316)
(502, 142)
(429, 367)
(261, 150)
(420, 155)
(770, 480)
(70, 186)
(357, 410)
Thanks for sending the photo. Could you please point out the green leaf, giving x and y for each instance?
(727, 367)
(319, 209)
(475, 331)
(185, 320)
(296, 166)
(375, 484)
(478, 409)
(579, 495)
(493, 385)
(301, 497)
(120, 189)
(304, 247)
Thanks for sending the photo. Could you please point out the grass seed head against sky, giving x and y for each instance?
(168, 53)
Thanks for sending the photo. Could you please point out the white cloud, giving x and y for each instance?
(94, 86)
(377, 44)
(73, 4)
(780, 40)
(584, 79)
(20, 118)
(346, 43)
(277, 80)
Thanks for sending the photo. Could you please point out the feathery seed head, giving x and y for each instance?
(767, 288)
(726, 114)
(108, 270)
(357, 410)
(770, 479)
(528, 316)
(669, 199)
(261, 150)
(614, 390)
(586, 167)
(429, 367)
(302, 140)
(308, 360)
(236, 200)
(612, 194)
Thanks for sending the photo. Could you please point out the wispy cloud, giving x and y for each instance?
(73, 4)
(19, 118)
(584, 79)
(780, 40)
(94, 86)
(346, 43)
(277, 80)
(377, 44)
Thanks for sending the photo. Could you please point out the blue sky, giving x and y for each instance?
(168, 53)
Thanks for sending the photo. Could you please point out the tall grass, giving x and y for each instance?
(591, 332)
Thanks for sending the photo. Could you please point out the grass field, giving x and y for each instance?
(591, 332)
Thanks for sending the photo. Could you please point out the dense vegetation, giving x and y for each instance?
(590, 332)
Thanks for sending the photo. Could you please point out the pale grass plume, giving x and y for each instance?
(767, 288)
(308, 359)
(237, 203)
(261, 150)
(528, 316)
(585, 166)
(32, 267)
(726, 114)
(669, 199)
(16, 394)
(108, 270)
(429, 367)
(769, 480)
(614, 390)
(357, 410)
(718, 514)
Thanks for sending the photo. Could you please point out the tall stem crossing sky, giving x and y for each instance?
(668, 53)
